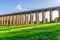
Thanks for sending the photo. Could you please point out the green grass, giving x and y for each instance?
(48, 31)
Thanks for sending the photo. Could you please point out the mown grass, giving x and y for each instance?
(47, 31)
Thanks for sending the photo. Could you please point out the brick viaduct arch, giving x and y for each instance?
(22, 17)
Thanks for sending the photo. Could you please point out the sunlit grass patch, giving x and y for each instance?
(29, 30)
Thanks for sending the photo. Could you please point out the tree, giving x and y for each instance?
(56, 19)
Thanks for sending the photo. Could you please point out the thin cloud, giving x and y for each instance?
(19, 7)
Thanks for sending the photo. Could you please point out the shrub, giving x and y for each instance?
(56, 19)
(34, 22)
(46, 20)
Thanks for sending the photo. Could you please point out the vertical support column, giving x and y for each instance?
(31, 18)
(7, 20)
(14, 20)
(11, 20)
(26, 19)
(43, 17)
(2, 21)
(50, 15)
(22, 18)
(59, 13)
(37, 17)
(18, 19)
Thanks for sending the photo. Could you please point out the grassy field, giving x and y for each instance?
(50, 31)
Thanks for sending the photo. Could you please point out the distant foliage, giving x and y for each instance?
(35, 22)
(56, 19)
(46, 20)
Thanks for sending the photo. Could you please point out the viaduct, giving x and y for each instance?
(18, 18)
